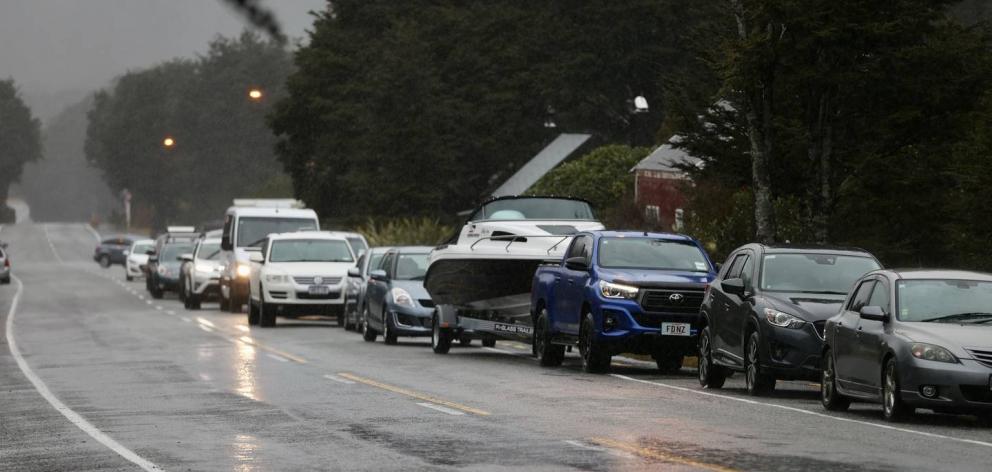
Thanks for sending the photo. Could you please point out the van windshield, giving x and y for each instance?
(253, 230)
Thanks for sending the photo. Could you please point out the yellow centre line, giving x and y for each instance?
(655, 454)
(411, 393)
(292, 357)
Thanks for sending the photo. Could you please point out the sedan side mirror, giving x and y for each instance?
(874, 313)
(378, 274)
(733, 286)
(255, 256)
(354, 272)
(576, 263)
(185, 258)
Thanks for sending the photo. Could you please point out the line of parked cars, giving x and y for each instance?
(905, 338)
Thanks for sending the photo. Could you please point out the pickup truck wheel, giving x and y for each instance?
(757, 382)
(368, 334)
(669, 363)
(440, 337)
(388, 331)
(594, 358)
(488, 341)
(710, 374)
(549, 355)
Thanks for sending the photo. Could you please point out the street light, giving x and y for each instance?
(168, 142)
(255, 94)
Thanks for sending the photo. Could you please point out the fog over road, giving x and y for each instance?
(200, 390)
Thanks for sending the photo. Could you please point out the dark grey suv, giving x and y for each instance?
(765, 313)
(913, 339)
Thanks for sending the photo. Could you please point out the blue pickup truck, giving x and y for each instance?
(616, 292)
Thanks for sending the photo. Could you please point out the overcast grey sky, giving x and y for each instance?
(67, 48)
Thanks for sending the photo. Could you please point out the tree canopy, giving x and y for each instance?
(221, 149)
(20, 140)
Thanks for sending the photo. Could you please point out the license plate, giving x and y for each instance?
(675, 329)
(319, 290)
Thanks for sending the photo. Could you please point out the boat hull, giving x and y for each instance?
(462, 281)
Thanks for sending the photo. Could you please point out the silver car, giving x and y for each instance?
(201, 271)
(912, 339)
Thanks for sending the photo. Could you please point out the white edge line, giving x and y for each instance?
(338, 379)
(441, 409)
(52, 245)
(92, 231)
(806, 412)
(47, 394)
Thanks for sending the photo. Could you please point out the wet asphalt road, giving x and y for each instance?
(199, 390)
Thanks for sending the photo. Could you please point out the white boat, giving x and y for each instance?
(485, 272)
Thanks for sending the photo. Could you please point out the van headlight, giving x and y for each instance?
(782, 319)
(613, 290)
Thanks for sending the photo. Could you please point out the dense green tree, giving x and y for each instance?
(223, 147)
(20, 141)
(421, 107)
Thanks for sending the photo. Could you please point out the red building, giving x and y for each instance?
(658, 184)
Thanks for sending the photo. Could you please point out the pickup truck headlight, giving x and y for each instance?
(612, 290)
(243, 270)
(931, 352)
(782, 319)
(401, 297)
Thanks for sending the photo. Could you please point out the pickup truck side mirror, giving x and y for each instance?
(378, 274)
(733, 286)
(576, 263)
(354, 272)
(185, 258)
(255, 256)
(874, 313)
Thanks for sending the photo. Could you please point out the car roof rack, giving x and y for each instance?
(180, 229)
(269, 203)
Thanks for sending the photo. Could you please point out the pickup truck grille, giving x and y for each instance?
(677, 301)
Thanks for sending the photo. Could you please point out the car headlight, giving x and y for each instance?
(930, 352)
(783, 320)
(162, 270)
(612, 290)
(401, 297)
(243, 270)
(276, 278)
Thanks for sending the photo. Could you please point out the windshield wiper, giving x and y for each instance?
(824, 292)
(961, 316)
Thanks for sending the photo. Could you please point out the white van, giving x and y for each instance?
(246, 225)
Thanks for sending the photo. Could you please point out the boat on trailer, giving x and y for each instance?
(480, 280)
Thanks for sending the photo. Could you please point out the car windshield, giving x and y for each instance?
(142, 248)
(209, 252)
(172, 251)
(651, 253)
(411, 267)
(534, 209)
(357, 244)
(376, 259)
(813, 273)
(944, 300)
(252, 231)
(310, 250)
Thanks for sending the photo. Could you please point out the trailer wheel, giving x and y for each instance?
(440, 337)
(489, 341)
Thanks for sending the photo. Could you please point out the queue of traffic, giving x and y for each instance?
(543, 271)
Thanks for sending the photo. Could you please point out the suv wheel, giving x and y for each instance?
(595, 359)
(253, 315)
(440, 337)
(829, 397)
(893, 409)
(758, 382)
(710, 374)
(549, 355)
(368, 333)
(266, 314)
(388, 331)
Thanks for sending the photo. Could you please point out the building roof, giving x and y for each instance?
(667, 158)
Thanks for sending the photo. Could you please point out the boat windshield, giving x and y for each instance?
(534, 209)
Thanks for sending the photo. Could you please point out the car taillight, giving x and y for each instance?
(6, 262)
